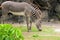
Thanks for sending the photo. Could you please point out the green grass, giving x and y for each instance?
(47, 38)
(34, 29)
(36, 35)
(50, 37)
(42, 37)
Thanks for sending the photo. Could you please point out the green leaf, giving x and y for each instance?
(8, 32)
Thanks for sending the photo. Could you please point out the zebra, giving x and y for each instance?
(22, 7)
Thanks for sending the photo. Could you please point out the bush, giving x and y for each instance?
(7, 32)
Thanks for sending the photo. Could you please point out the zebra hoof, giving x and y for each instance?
(40, 29)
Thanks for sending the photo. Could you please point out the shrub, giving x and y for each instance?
(7, 32)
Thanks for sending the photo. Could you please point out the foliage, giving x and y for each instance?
(7, 32)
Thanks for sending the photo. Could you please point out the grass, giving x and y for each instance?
(46, 30)
(47, 33)
(42, 37)
(47, 38)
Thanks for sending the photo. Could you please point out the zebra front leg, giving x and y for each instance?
(29, 23)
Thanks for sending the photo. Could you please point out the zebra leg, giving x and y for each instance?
(29, 22)
(38, 25)
(27, 19)
(3, 18)
(4, 14)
